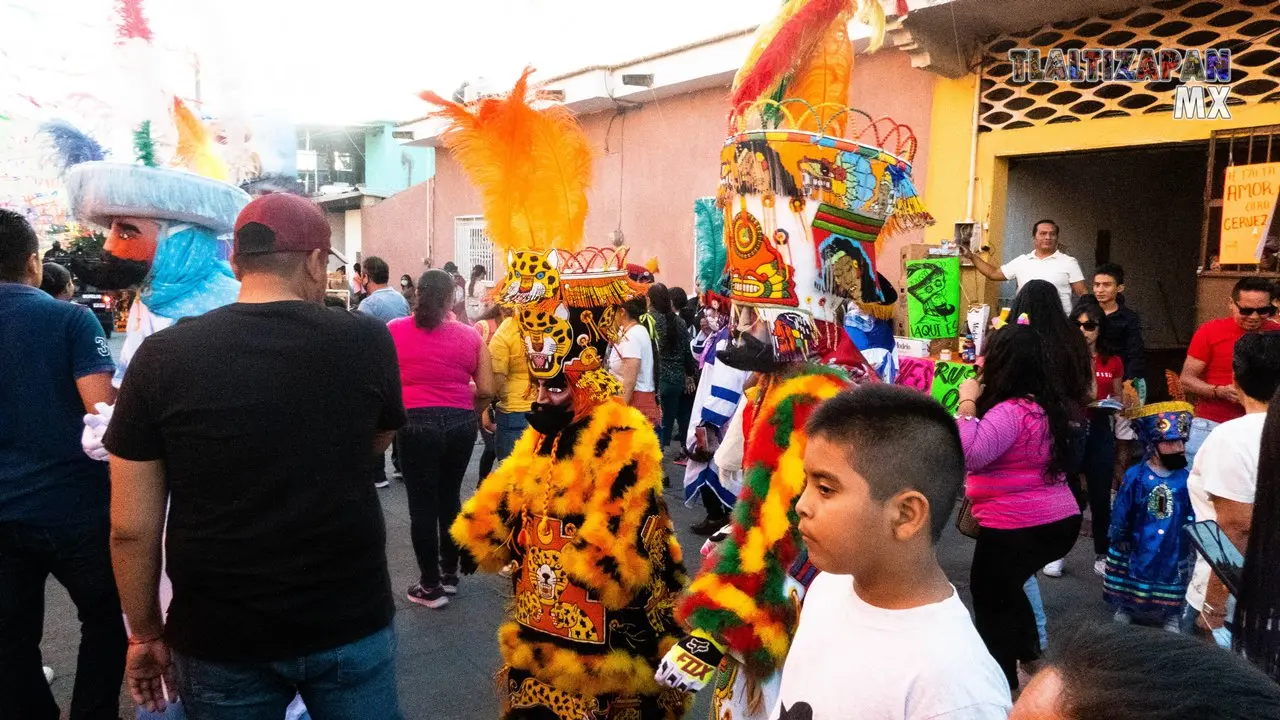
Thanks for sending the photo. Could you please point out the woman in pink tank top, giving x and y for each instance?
(1015, 430)
(446, 377)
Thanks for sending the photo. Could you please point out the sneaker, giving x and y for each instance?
(428, 597)
(48, 675)
(1054, 569)
(1100, 567)
(449, 583)
(382, 484)
(397, 475)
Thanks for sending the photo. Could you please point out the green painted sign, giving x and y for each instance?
(933, 298)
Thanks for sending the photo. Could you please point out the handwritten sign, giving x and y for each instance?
(933, 297)
(915, 373)
(1249, 195)
(947, 377)
(940, 379)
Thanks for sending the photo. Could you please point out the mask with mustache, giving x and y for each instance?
(550, 419)
(111, 272)
(748, 353)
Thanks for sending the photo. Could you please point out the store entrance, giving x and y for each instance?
(1142, 208)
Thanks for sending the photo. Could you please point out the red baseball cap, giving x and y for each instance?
(281, 222)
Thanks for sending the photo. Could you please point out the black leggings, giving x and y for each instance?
(1003, 560)
(435, 450)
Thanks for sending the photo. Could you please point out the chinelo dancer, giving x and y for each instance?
(808, 188)
(165, 226)
(578, 503)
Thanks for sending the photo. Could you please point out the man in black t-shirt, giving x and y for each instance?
(255, 423)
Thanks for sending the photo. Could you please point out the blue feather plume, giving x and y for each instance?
(71, 145)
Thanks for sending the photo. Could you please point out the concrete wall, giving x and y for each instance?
(1148, 199)
(398, 230)
(653, 160)
(390, 166)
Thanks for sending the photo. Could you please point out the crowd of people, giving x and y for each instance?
(287, 580)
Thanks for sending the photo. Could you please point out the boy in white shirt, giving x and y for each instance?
(883, 634)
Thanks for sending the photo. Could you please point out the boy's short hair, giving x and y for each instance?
(898, 439)
(1111, 269)
(1256, 364)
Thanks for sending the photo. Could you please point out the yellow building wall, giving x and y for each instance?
(946, 192)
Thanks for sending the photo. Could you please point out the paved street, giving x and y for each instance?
(447, 658)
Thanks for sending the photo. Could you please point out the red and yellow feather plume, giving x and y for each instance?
(822, 81)
(531, 166)
(787, 45)
(195, 150)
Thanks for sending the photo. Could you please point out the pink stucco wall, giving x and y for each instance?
(654, 160)
(398, 230)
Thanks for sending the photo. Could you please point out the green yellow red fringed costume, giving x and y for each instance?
(740, 596)
(578, 503)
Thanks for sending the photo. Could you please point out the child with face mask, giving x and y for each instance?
(1149, 564)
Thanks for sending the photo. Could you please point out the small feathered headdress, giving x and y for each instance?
(531, 166)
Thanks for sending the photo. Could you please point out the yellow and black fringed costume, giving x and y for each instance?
(578, 503)
(582, 514)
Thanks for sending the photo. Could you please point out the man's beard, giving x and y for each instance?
(111, 272)
(748, 353)
(550, 419)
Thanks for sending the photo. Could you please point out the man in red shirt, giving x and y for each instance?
(1207, 370)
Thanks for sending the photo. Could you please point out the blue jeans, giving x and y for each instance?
(669, 402)
(1032, 588)
(510, 427)
(435, 450)
(1099, 462)
(79, 557)
(356, 680)
(1200, 429)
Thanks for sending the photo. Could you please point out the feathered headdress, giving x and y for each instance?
(532, 167)
(801, 49)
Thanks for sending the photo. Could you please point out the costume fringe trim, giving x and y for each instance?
(739, 597)
(614, 672)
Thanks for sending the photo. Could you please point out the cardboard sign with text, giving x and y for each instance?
(933, 297)
(1249, 194)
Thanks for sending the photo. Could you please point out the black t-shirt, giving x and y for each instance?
(264, 416)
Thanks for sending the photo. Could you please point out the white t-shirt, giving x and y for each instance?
(854, 660)
(634, 344)
(1227, 467)
(1059, 268)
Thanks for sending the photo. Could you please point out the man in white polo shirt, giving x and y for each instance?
(1044, 262)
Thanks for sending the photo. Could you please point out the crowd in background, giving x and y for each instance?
(420, 371)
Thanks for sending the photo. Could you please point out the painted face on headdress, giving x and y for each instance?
(566, 306)
(548, 338)
(532, 277)
(802, 214)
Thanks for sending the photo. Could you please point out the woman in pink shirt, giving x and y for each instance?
(440, 360)
(1016, 438)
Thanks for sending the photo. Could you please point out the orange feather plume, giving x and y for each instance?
(195, 150)
(822, 81)
(532, 167)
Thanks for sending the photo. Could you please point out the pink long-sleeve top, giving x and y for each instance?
(1007, 455)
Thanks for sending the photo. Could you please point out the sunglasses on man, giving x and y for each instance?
(1264, 311)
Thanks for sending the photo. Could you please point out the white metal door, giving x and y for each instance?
(472, 245)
